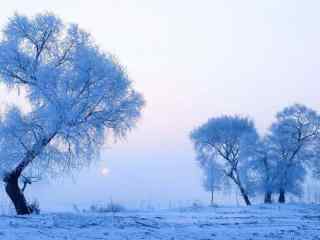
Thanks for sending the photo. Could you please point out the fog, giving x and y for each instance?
(191, 60)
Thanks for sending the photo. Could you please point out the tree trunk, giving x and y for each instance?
(245, 196)
(12, 187)
(237, 181)
(282, 196)
(268, 197)
(16, 195)
(211, 198)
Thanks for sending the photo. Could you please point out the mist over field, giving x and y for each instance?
(191, 60)
(160, 108)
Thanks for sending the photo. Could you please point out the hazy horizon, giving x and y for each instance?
(191, 60)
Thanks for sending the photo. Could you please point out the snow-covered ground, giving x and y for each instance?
(257, 222)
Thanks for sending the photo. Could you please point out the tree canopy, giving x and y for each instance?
(78, 94)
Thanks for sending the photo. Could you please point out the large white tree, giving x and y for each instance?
(232, 139)
(291, 142)
(78, 96)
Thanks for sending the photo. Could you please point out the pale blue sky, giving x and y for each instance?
(191, 60)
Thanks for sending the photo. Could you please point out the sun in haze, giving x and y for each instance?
(104, 171)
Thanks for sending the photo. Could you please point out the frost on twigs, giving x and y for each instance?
(78, 96)
(76, 92)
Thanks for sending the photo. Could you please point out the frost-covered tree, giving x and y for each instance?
(291, 142)
(78, 96)
(213, 176)
(232, 139)
(264, 164)
(267, 166)
(314, 162)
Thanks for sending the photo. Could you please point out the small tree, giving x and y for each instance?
(76, 93)
(232, 139)
(291, 142)
(314, 162)
(213, 175)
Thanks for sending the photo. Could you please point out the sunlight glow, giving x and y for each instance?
(105, 171)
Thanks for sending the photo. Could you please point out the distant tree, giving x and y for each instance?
(213, 176)
(291, 140)
(314, 164)
(268, 168)
(264, 164)
(232, 139)
(78, 96)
